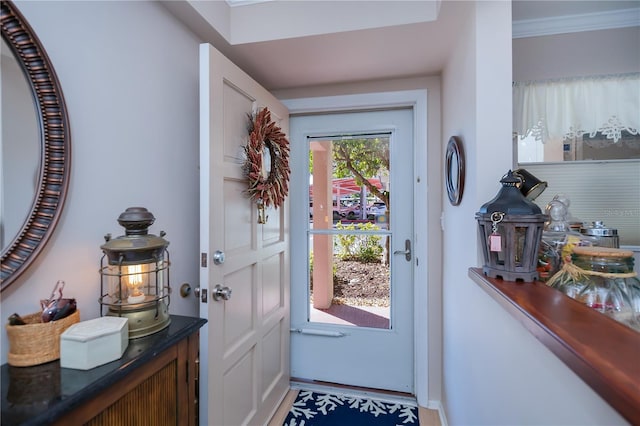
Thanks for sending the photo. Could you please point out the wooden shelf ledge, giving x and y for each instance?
(601, 351)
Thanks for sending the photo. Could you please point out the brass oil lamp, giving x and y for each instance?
(134, 272)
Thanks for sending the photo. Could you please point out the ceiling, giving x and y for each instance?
(397, 51)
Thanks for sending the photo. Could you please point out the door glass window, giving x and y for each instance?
(349, 236)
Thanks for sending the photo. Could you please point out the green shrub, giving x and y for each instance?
(358, 247)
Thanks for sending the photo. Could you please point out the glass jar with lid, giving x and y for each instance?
(603, 279)
(558, 239)
(607, 237)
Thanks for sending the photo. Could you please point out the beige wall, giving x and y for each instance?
(577, 54)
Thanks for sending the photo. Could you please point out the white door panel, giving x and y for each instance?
(363, 356)
(245, 346)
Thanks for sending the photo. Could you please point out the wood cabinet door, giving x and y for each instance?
(162, 392)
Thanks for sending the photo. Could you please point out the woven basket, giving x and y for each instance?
(36, 342)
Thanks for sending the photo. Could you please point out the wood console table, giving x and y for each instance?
(155, 382)
(600, 350)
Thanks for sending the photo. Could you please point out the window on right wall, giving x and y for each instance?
(579, 118)
(582, 136)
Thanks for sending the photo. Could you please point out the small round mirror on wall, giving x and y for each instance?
(454, 170)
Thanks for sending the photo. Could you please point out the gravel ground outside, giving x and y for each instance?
(361, 284)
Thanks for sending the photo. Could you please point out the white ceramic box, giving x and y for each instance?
(91, 343)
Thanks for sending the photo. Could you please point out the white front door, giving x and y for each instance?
(343, 329)
(244, 349)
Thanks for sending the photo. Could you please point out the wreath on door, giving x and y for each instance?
(267, 161)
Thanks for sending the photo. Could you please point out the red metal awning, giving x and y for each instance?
(346, 186)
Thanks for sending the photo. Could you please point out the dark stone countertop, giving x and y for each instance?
(41, 394)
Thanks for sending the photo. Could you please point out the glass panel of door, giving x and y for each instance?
(349, 279)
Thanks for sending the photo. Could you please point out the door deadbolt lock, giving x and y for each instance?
(221, 293)
(202, 295)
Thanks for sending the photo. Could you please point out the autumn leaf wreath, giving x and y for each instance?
(268, 183)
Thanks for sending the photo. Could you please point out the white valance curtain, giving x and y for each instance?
(567, 108)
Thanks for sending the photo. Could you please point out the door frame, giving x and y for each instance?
(426, 345)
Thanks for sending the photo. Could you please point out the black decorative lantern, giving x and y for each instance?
(510, 229)
(134, 273)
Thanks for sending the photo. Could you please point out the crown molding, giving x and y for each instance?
(575, 23)
(236, 3)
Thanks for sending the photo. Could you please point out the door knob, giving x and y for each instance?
(220, 292)
(218, 257)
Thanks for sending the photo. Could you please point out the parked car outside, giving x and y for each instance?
(354, 213)
(378, 208)
(337, 215)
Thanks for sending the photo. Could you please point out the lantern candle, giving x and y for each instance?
(134, 282)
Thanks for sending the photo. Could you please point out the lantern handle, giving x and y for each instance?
(496, 218)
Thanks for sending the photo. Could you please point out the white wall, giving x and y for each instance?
(495, 372)
(129, 73)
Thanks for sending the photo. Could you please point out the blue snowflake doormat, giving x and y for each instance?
(319, 409)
